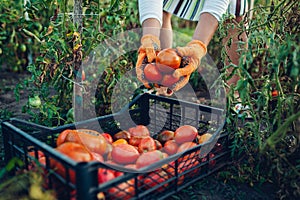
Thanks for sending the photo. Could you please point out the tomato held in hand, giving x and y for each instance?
(124, 154)
(152, 73)
(167, 60)
(185, 133)
(169, 80)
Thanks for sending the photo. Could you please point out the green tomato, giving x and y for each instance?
(70, 114)
(35, 101)
(23, 47)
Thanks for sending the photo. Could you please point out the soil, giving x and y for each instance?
(211, 188)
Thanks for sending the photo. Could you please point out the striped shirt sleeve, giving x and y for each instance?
(150, 9)
(217, 8)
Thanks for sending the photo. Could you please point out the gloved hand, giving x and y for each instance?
(194, 51)
(150, 44)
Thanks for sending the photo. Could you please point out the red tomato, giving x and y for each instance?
(105, 175)
(169, 80)
(135, 140)
(97, 157)
(168, 60)
(147, 144)
(76, 152)
(274, 93)
(158, 144)
(152, 73)
(148, 158)
(91, 139)
(165, 136)
(139, 130)
(108, 137)
(122, 191)
(171, 147)
(122, 135)
(187, 165)
(124, 154)
(185, 146)
(62, 136)
(154, 178)
(212, 162)
(185, 133)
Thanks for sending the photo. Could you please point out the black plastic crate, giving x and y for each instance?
(26, 140)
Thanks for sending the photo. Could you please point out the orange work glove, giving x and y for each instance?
(150, 45)
(194, 51)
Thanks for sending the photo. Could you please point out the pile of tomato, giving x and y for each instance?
(133, 148)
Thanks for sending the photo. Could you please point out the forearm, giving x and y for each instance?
(151, 26)
(211, 14)
(206, 28)
(150, 12)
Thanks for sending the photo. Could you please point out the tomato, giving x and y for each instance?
(169, 80)
(146, 144)
(212, 162)
(152, 73)
(91, 139)
(274, 93)
(35, 101)
(62, 136)
(124, 154)
(168, 60)
(170, 147)
(97, 157)
(119, 141)
(76, 152)
(204, 138)
(158, 144)
(139, 130)
(122, 135)
(165, 136)
(185, 133)
(184, 147)
(122, 191)
(135, 140)
(108, 137)
(105, 175)
(154, 178)
(188, 165)
(148, 158)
